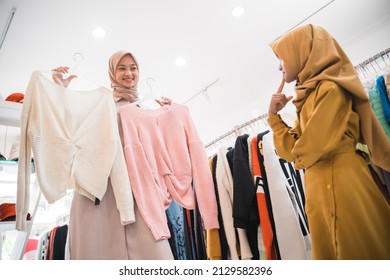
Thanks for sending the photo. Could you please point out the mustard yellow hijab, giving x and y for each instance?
(312, 54)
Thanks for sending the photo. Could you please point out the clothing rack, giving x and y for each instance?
(232, 134)
(374, 64)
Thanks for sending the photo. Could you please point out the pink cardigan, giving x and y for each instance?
(164, 156)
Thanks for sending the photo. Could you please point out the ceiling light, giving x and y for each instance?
(99, 32)
(180, 61)
(238, 11)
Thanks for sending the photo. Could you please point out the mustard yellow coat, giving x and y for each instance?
(348, 216)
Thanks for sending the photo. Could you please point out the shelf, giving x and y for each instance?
(10, 113)
(8, 191)
(4, 226)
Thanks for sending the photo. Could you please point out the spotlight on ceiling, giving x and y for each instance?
(99, 32)
(180, 61)
(238, 11)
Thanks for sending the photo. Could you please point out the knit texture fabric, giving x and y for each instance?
(166, 159)
(75, 139)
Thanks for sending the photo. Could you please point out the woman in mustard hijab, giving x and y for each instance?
(348, 216)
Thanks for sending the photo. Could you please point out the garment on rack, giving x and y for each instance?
(288, 204)
(64, 128)
(380, 83)
(177, 227)
(164, 155)
(274, 246)
(245, 214)
(59, 243)
(376, 104)
(199, 232)
(266, 239)
(236, 237)
(217, 248)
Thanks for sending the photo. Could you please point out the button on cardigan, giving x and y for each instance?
(75, 140)
(166, 160)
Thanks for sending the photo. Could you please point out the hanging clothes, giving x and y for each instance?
(275, 253)
(381, 85)
(245, 214)
(286, 187)
(216, 238)
(236, 237)
(177, 227)
(266, 240)
(164, 155)
(63, 128)
(375, 101)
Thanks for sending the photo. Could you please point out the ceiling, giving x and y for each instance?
(234, 52)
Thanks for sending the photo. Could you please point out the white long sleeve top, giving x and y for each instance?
(75, 140)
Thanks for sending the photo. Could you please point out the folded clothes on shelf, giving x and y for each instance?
(8, 212)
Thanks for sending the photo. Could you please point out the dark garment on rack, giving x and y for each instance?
(199, 233)
(244, 194)
(187, 234)
(222, 234)
(59, 243)
(266, 192)
(194, 234)
(176, 226)
(245, 213)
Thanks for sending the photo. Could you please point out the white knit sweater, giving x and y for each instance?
(75, 140)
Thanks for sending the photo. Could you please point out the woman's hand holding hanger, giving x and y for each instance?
(58, 76)
(164, 101)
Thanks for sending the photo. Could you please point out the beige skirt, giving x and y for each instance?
(95, 233)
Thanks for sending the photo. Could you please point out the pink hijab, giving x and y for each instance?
(121, 92)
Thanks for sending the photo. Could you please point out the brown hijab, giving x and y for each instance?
(312, 54)
(121, 92)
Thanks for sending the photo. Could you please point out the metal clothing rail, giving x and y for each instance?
(236, 131)
(7, 26)
(374, 64)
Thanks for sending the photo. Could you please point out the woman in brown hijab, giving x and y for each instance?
(348, 216)
(95, 231)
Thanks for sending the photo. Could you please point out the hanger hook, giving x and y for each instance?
(147, 82)
(75, 56)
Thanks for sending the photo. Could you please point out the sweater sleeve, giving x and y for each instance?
(24, 165)
(202, 178)
(120, 181)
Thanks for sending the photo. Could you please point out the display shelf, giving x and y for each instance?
(8, 190)
(10, 113)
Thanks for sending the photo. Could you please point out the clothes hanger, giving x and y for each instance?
(80, 83)
(148, 100)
